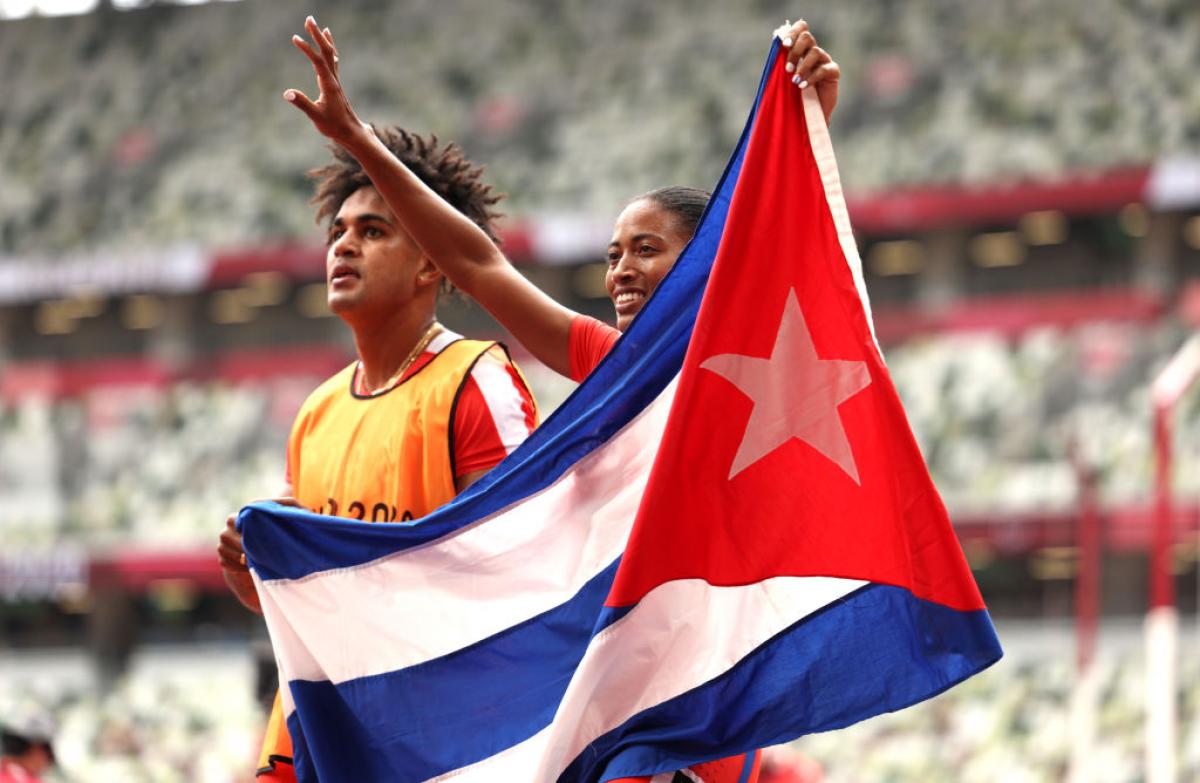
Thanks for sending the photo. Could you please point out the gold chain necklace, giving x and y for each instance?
(433, 331)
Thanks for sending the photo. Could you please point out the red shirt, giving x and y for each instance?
(589, 343)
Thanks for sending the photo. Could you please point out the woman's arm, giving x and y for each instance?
(463, 252)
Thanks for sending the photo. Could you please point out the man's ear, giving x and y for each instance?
(428, 272)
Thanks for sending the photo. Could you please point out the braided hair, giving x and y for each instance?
(685, 204)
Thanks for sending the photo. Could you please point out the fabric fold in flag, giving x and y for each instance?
(726, 538)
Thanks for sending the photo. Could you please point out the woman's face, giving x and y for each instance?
(646, 241)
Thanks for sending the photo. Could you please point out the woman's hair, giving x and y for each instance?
(686, 204)
(444, 169)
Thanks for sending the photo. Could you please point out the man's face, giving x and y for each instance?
(372, 266)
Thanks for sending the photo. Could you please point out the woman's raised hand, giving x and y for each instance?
(810, 65)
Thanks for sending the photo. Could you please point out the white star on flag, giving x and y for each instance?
(796, 394)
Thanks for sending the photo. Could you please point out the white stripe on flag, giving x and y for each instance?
(831, 180)
(680, 636)
(526, 560)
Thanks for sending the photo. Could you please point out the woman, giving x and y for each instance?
(648, 237)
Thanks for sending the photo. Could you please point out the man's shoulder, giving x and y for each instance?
(451, 352)
(466, 348)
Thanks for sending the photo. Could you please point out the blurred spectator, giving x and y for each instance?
(26, 747)
(189, 715)
(996, 417)
(130, 128)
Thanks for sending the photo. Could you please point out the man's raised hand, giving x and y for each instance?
(331, 113)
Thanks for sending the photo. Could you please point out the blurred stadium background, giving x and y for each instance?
(1024, 179)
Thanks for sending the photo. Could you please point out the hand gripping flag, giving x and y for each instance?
(725, 539)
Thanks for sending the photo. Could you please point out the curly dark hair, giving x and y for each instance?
(444, 169)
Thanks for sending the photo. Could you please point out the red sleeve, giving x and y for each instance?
(493, 414)
(589, 343)
(734, 769)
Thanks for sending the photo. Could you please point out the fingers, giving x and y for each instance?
(808, 66)
(230, 560)
(323, 56)
(828, 72)
(232, 540)
(230, 551)
(797, 40)
(329, 38)
(322, 53)
(229, 546)
(804, 43)
(324, 41)
(789, 32)
(808, 63)
(301, 102)
(318, 61)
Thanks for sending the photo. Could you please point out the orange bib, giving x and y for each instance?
(383, 458)
(387, 457)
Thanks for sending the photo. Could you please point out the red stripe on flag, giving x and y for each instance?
(832, 483)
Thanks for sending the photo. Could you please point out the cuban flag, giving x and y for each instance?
(725, 539)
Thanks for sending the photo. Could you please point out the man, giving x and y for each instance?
(422, 413)
(26, 751)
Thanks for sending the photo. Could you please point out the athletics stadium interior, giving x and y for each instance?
(1024, 181)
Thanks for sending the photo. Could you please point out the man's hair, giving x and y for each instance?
(444, 169)
(685, 204)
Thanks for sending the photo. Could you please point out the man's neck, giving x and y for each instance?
(384, 344)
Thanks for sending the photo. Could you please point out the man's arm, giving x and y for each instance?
(463, 252)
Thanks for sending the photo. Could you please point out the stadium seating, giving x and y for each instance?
(131, 134)
(157, 467)
(1013, 723)
(188, 715)
(1001, 419)
(998, 419)
(166, 124)
(179, 715)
